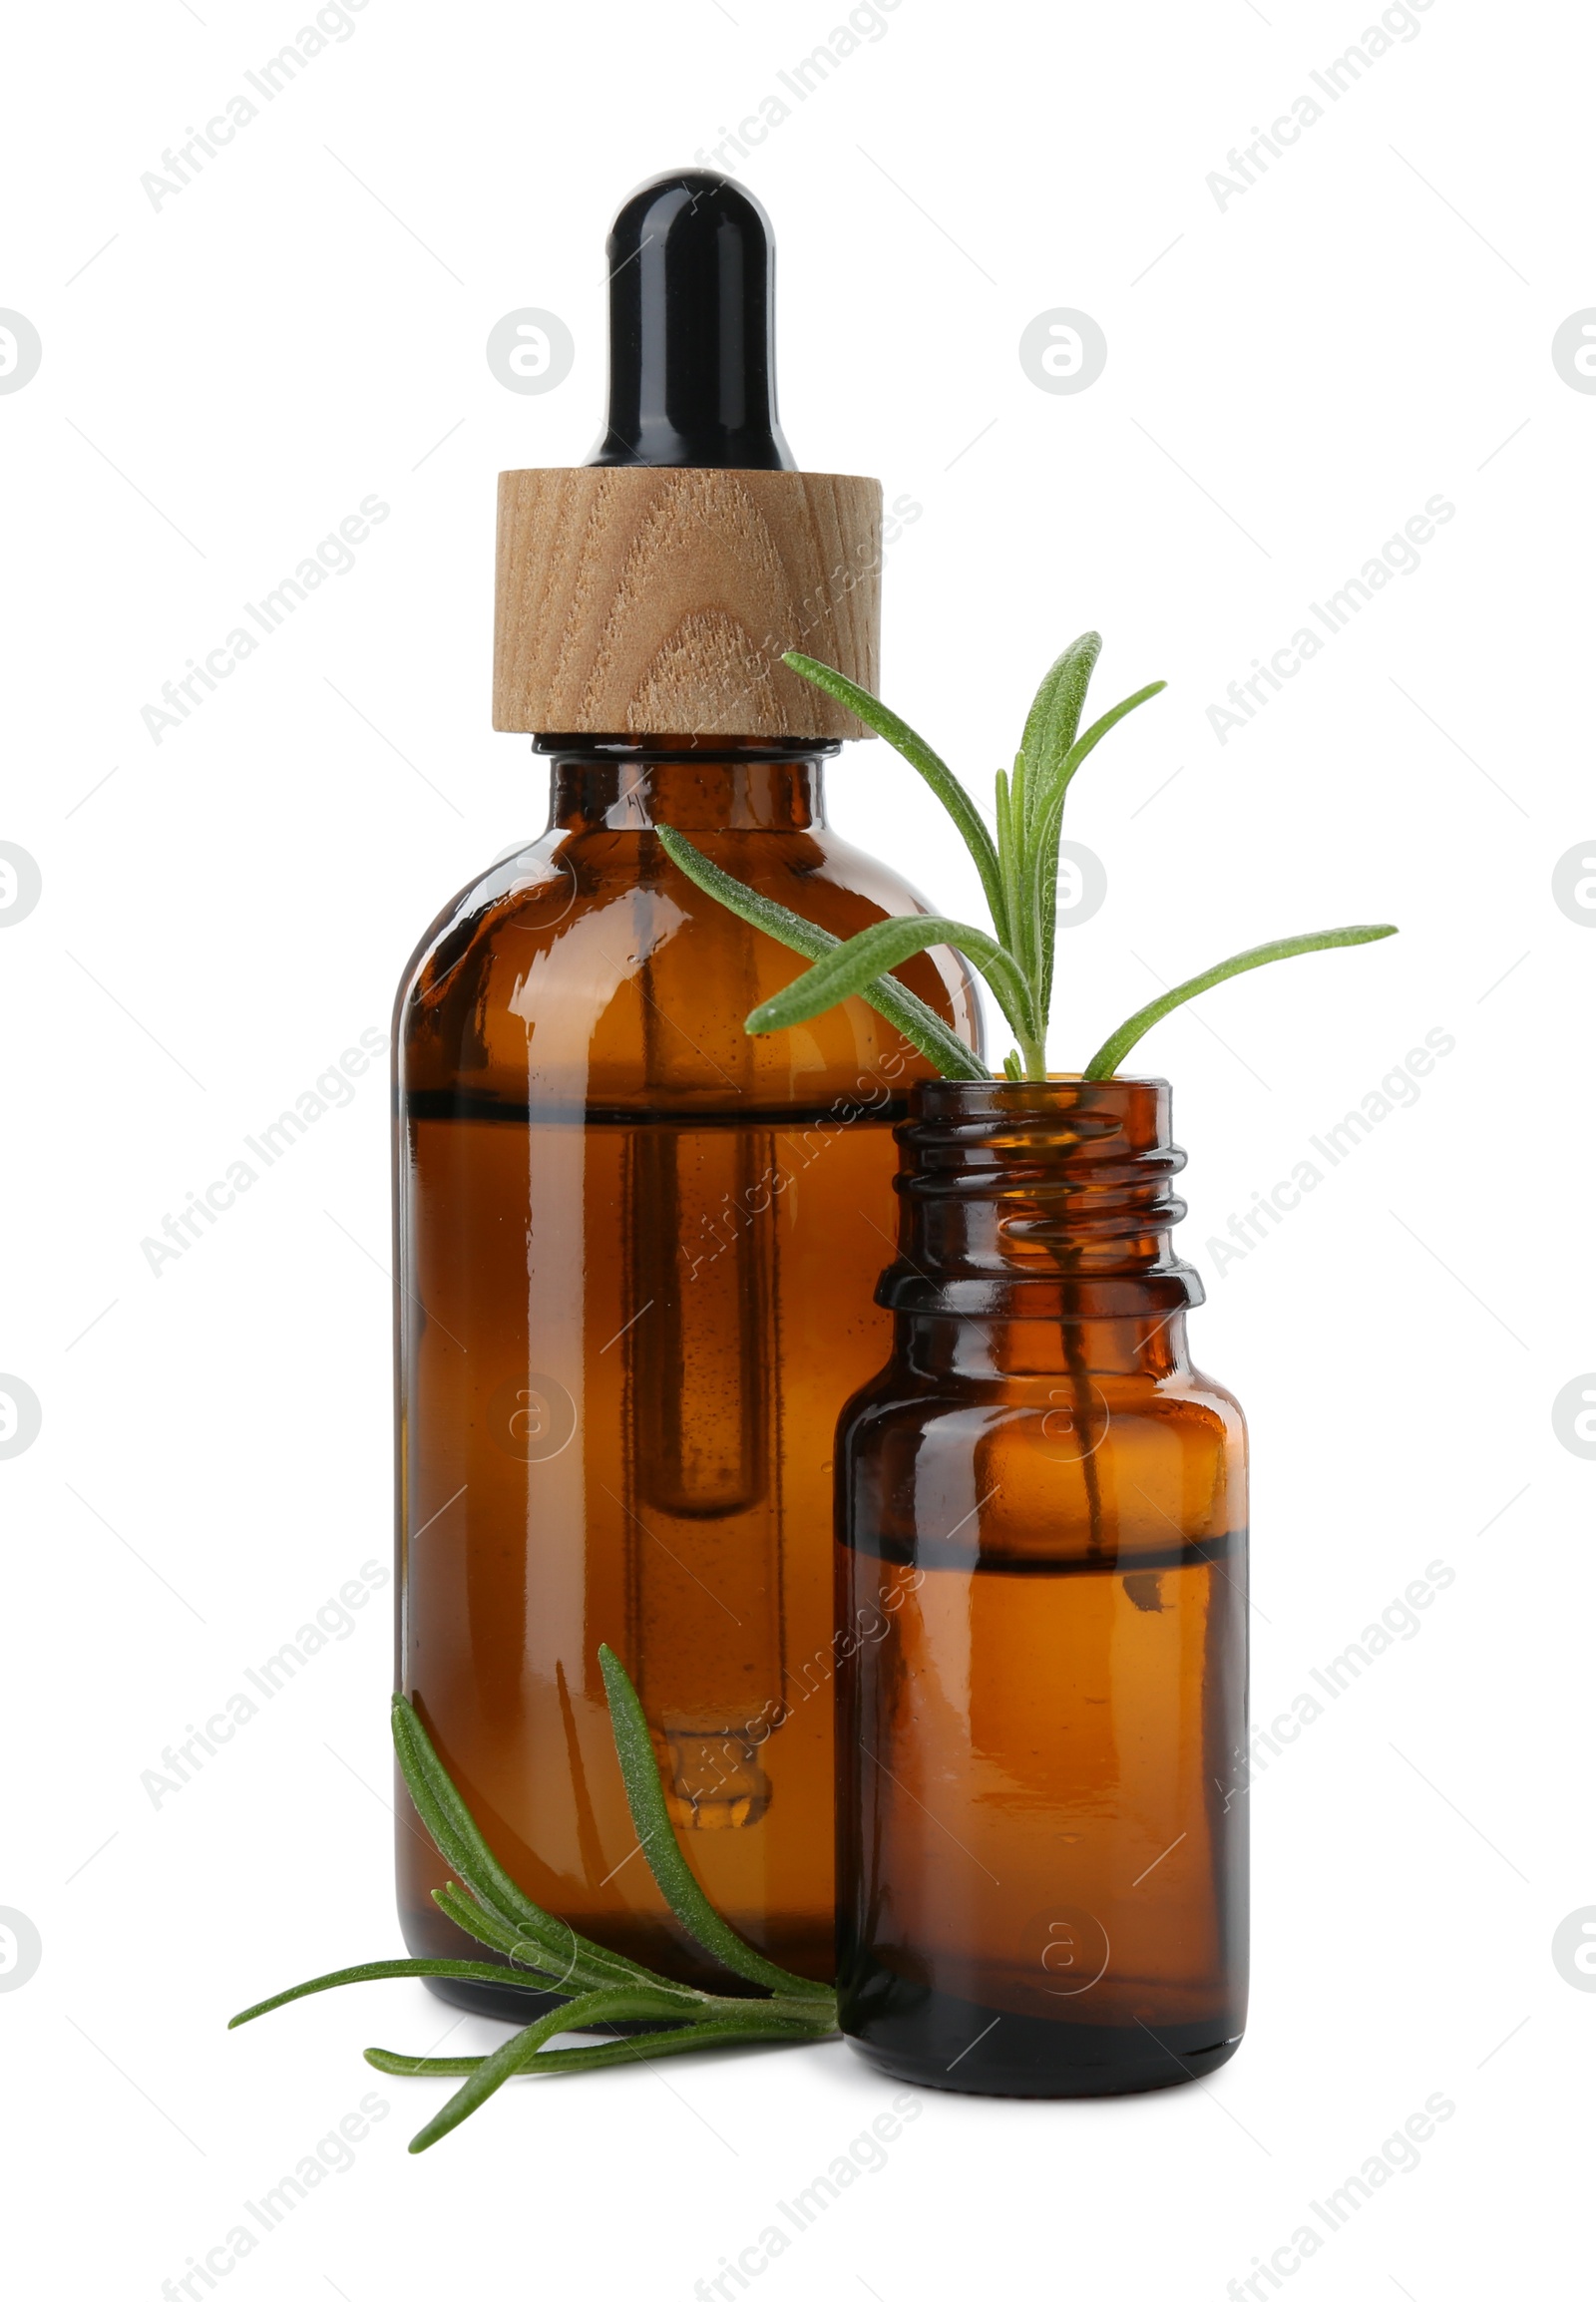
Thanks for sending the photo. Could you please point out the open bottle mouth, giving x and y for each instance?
(1047, 1197)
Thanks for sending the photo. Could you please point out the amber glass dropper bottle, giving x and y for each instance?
(635, 1248)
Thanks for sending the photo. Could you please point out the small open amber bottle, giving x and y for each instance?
(1043, 1641)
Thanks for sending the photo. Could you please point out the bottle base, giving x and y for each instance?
(961, 2048)
(499, 2002)
(799, 1943)
(502, 2004)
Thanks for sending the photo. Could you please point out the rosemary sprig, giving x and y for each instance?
(651, 1820)
(551, 1958)
(921, 1025)
(1018, 871)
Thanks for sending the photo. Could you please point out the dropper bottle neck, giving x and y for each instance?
(663, 585)
(614, 783)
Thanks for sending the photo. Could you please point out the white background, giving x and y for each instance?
(1289, 377)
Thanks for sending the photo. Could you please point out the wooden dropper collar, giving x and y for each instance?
(654, 590)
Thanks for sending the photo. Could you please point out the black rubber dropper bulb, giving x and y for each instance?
(693, 278)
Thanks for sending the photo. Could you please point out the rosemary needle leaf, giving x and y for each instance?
(1115, 1049)
(1055, 714)
(1063, 773)
(549, 1956)
(396, 2066)
(1010, 810)
(921, 1025)
(1019, 873)
(392, 1969)
(490, 2073)
(650, 1818)
(920, 757)
(470, 1918)
(685, 2038)
(884, 946)
(1083, 746)
(454, 1832)
(1040, 899)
